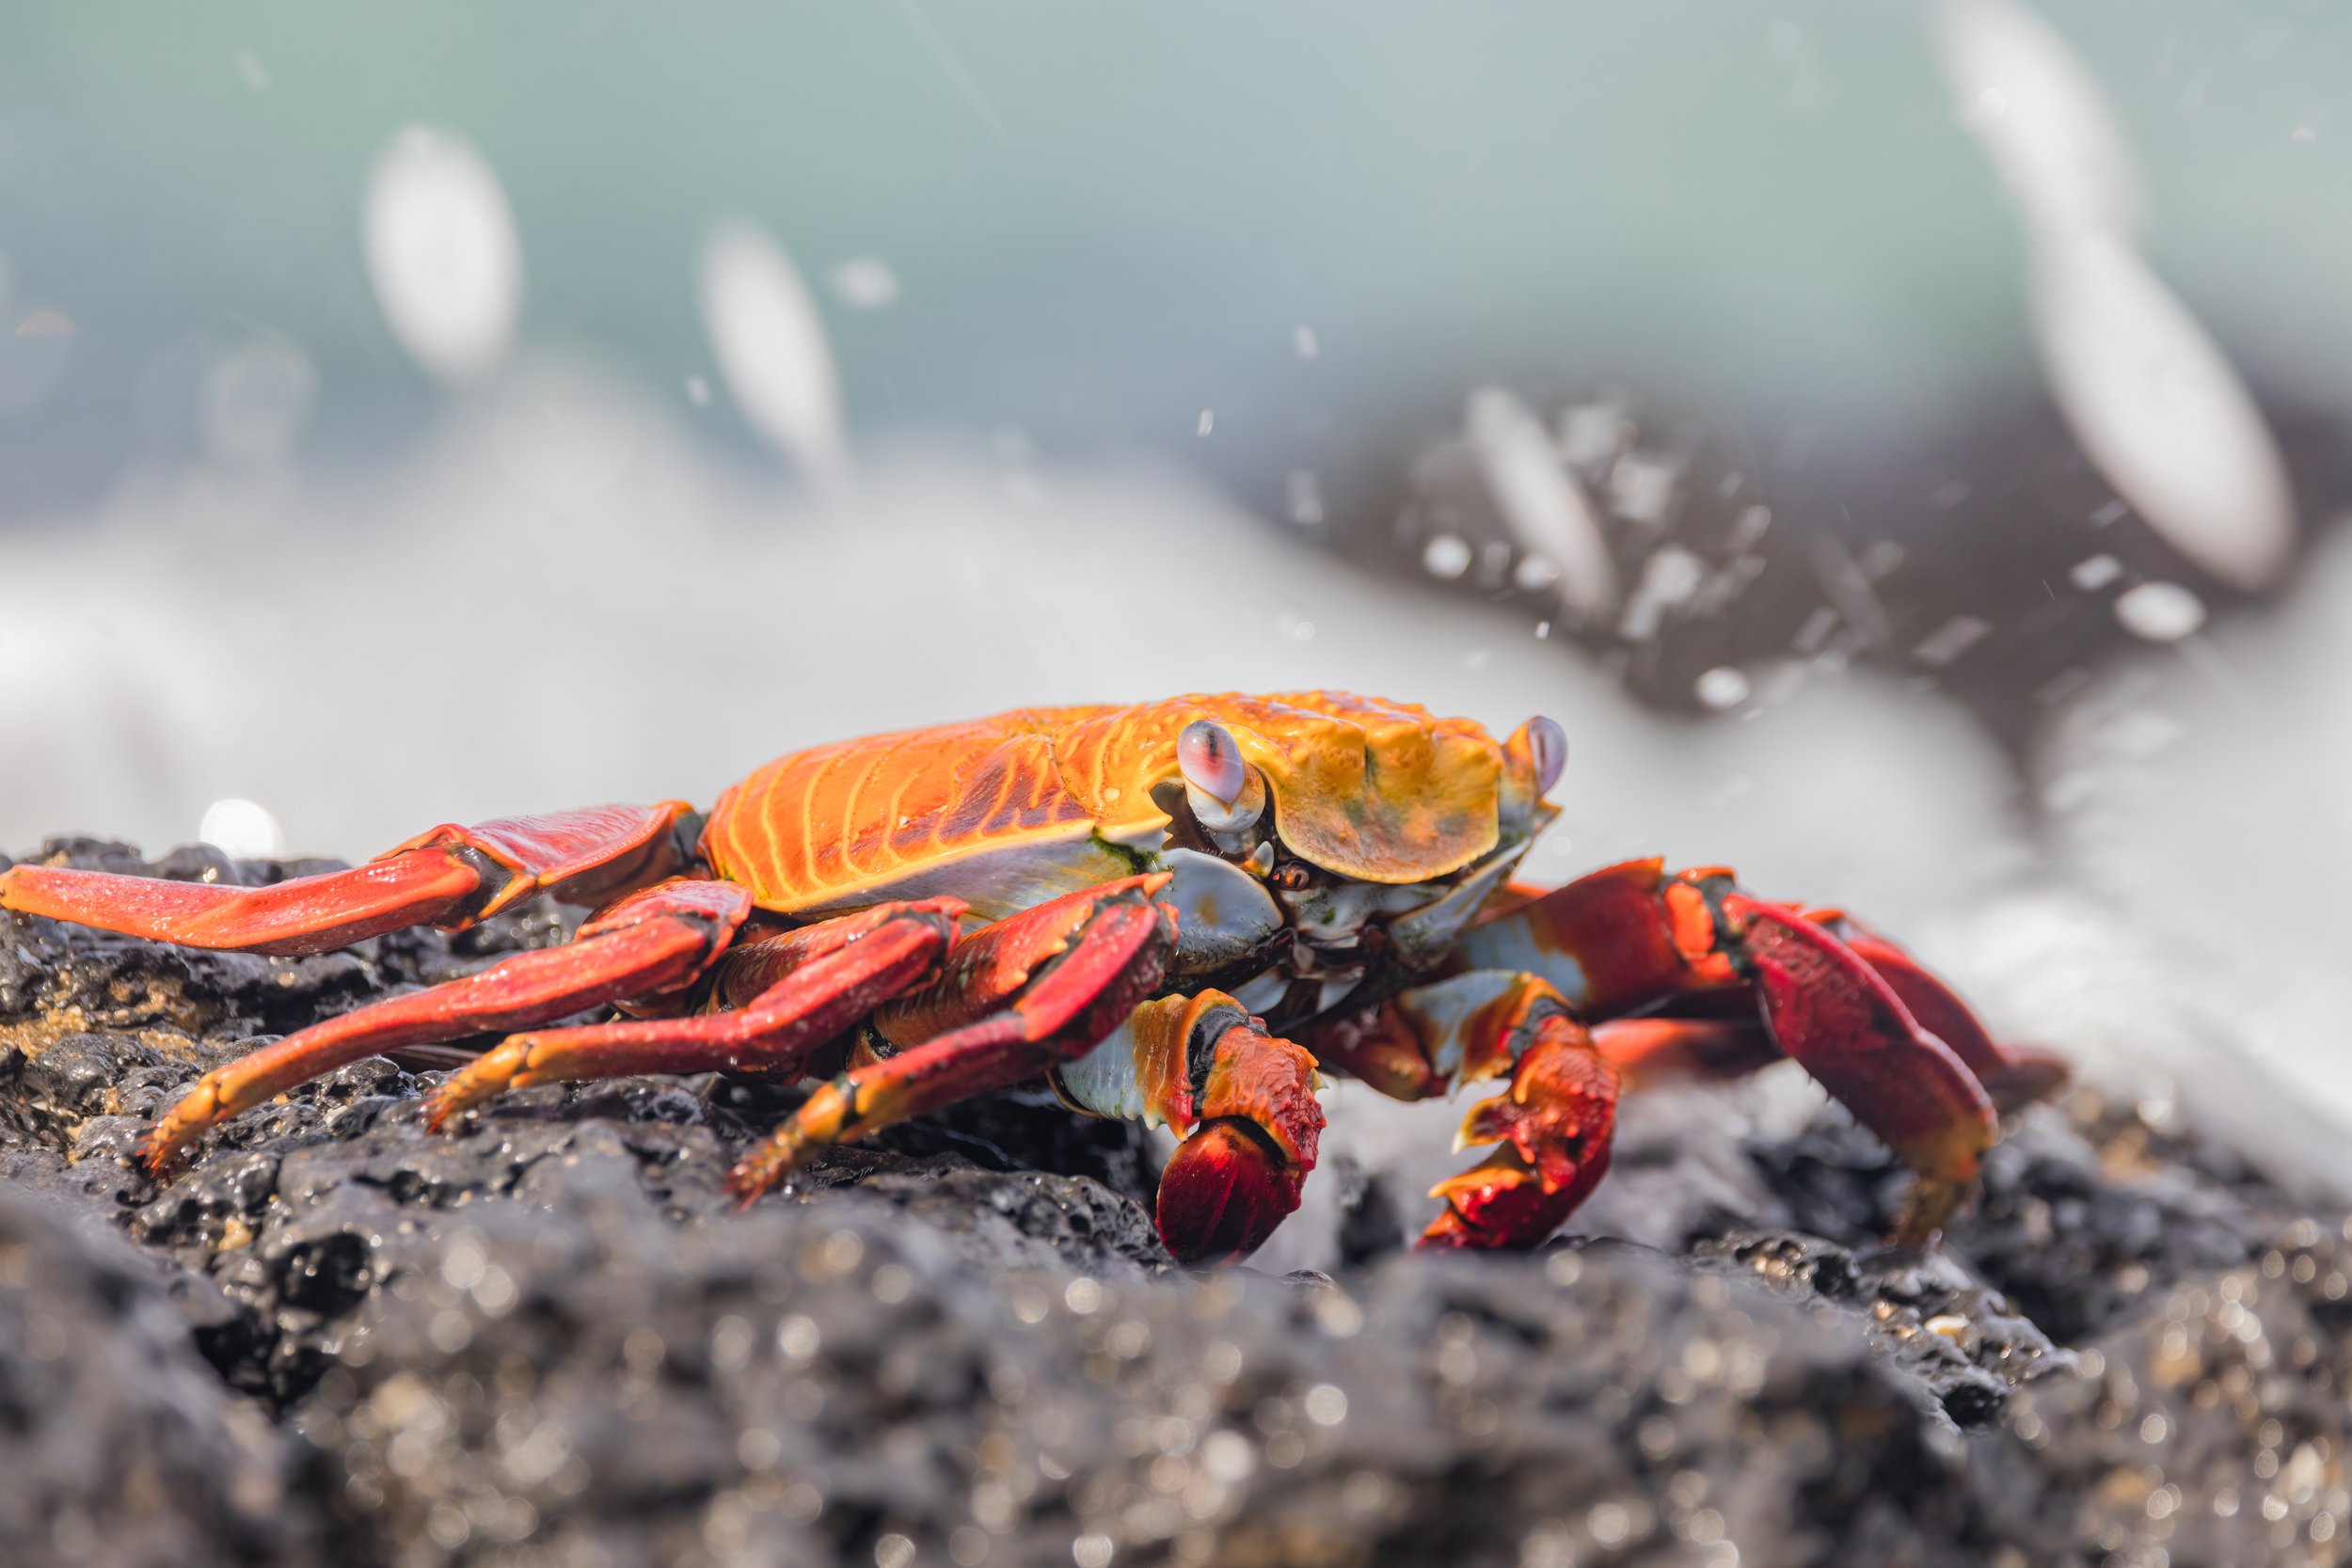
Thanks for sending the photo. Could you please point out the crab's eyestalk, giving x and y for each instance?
(1536, 756)
(1225, 793)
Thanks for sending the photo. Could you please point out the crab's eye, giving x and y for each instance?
(1211, 761)
(1546, 747)
(1290, 878)
(1225, 795)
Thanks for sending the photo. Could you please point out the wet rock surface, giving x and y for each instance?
(550, 1338)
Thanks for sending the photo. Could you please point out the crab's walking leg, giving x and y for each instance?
(660, 938)
(1243, 1100)
(806, 985)
(1016, 997)
(1552, 1126)
(1647, 1050)
(451, 877)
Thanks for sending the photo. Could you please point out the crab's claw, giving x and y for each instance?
(1832, 1010)
(1554, 1125)
(1223, 1192)
(2015, 1075)
(1255, 1126)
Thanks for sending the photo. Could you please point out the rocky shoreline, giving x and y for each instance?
(550, 1338)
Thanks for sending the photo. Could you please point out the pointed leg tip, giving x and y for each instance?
(2032, 1074)
(763, 1169)
(158, 1154)
(745, 1187)
(1224, 1191)
(504, 1066)
(743, 1184)
(740, 1190)
(1929, 1209)
(164, 1148)
(448, 1103)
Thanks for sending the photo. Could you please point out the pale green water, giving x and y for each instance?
(1107, 217)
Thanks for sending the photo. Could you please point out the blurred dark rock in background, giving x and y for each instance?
(1982, 563)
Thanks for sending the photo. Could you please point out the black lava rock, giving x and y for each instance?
(550, 1338)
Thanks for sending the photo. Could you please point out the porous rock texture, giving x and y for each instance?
(551, 1338)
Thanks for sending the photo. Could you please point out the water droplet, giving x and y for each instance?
(1445, 556)
(1723, 687)
(2158, 409)
(2095, 573)
(442, 253)
(1545, 507)
(1306, 498)
(1642, 487)
(2159, 612)
(241, 829)
(1591, 434)
(865, 283)
(2037, 113)
(772, 349)
(1949, 641)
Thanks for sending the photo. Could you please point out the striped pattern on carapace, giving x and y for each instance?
(1376, 790)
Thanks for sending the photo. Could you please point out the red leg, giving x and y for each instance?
(659, 940)
(816, 981)
(451, 877)
(1611, 942)
(1647, 1050)
(1047, 985)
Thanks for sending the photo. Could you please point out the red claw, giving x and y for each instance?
(1554, 1123)
(1224, 1191)
(1834, 1013)
(2015, 1075)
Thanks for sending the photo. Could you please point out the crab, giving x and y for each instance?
(1184, 913)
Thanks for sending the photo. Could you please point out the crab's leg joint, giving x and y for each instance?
(1613, 942)
(1647, 1050)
